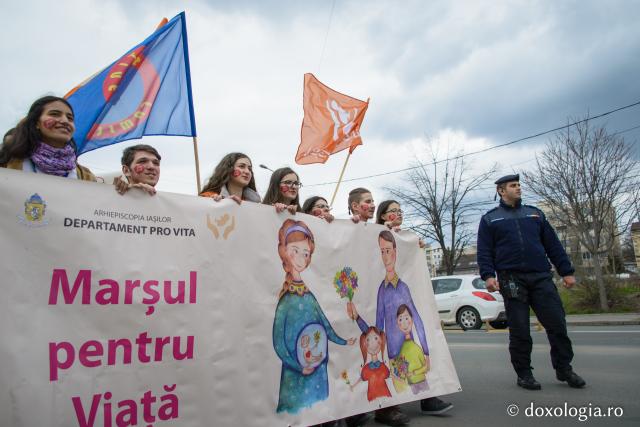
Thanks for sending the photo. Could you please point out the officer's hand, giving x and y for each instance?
(569, 281)
(492, 284)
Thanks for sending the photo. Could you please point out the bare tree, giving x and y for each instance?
(586, 177)
(435, 205)
(628, 253)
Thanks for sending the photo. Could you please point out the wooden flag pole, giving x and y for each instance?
(195, 154)
(333, 198)
(340, 179)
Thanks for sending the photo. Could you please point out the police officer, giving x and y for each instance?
(516, 242)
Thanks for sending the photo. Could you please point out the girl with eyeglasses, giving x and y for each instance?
(390, 215)
(318, 206)
(283, 191)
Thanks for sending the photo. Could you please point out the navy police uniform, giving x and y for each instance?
(517, 242)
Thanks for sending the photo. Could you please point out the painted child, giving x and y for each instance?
(303, 380)
(375, 372)
(412, 352)
(309, 357)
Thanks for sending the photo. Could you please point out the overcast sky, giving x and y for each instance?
(467, 74)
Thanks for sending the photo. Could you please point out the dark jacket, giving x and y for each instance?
(519, 239)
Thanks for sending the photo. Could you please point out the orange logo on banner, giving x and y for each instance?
(331, 122)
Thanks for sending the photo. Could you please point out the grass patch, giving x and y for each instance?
(623, 296)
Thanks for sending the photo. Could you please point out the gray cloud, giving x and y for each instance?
(489, 70)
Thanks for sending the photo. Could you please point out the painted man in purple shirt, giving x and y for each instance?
(392, 293)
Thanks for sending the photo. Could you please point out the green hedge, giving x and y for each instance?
(623, 296)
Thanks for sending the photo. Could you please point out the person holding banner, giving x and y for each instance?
(283, 191)
(232, 178)
(43, 142)
(361, 204)
(318, 206)
(390, 215)
(141, 167)
(298, 321)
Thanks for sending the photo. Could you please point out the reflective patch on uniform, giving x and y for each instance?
(533, 216)
(497, 219)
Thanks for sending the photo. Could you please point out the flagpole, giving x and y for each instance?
(340, 179)
(192, 116)
(347, 159)
(195, 155)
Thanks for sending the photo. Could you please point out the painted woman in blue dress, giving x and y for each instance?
(301, 331)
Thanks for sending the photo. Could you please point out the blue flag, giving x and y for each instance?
(145, 92)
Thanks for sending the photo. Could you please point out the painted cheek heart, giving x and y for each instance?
(50, 123)
(236, 173)
(138, 168)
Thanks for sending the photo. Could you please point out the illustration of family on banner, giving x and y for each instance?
(313, 320)
(302, 330)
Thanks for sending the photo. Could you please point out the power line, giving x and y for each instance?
(488, 148)
(493, 186)
(326, 36)
(479, 203)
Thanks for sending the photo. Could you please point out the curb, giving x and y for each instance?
(633, 322)
(603, 323)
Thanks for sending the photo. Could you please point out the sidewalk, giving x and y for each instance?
(602, 319)
(610, 319)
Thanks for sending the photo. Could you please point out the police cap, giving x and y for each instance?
(508, 178)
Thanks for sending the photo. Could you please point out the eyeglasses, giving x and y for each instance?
(322, 206)
(395, 211)
(291, 184)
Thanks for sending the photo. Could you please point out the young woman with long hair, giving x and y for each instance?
(232, 178)
(43, 142)
(318, 206)
(284, 191)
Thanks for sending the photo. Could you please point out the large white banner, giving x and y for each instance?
(177, 310)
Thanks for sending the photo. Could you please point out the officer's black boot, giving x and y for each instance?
(528, 382)
(574, 380)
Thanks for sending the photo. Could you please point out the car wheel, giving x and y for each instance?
(469, 318)
(499, 324)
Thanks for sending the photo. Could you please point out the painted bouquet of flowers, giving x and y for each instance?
(400, 367)
(346, 283)
(345, 377)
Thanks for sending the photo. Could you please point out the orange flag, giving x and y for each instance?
(331, 122)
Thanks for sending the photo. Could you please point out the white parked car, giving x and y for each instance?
(465, 300)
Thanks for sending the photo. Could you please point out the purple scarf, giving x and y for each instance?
(54, 161)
